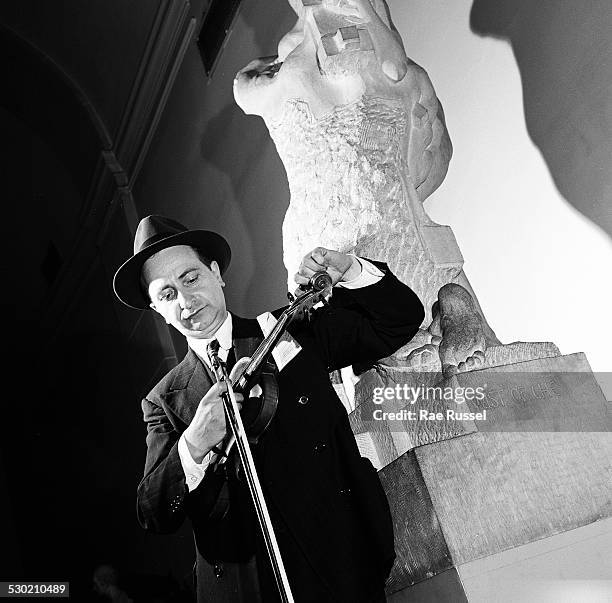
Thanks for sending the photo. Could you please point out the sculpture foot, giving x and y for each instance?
(460, 326)
(425, 358)
(471, 363)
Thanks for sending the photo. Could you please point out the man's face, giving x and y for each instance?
(185, 291)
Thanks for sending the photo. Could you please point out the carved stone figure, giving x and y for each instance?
(462, 338)
(363, 139)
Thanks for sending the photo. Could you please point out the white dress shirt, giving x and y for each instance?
(194, 472)
(223, 336)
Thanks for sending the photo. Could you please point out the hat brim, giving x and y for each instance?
(126, 282)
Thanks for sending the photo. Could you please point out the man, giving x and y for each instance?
(329, 512)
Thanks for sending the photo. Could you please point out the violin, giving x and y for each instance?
(244, 375)
(258, 369)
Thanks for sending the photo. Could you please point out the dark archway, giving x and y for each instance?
(52, 142)
(50, 148)
(71, 451)
(44, 97)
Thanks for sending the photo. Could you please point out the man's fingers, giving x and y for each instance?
(320, 256)
(315, 261)
(305, 273)
(299, 279)
(220, 387)
(215, 392)
(310, 263)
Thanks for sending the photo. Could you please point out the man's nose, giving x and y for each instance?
(185, 299)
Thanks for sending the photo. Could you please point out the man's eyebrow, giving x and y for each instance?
(182, 275)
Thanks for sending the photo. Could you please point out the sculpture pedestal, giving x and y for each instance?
(472, 497)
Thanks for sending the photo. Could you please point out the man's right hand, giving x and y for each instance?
(208, 426)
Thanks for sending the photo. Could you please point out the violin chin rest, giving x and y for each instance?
(238, 368)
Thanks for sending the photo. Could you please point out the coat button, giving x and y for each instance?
(218, 569)
(320, 447)
(303, 399)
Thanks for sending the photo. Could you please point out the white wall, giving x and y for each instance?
(540, 269)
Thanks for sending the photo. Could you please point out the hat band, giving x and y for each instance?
(156, 238)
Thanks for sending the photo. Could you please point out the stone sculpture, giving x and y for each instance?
(363, 139)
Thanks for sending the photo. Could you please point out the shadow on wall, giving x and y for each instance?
(563, 49)
(240, 147)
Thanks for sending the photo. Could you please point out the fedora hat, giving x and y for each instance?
(153, 234)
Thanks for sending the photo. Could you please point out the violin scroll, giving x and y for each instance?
(320, 281)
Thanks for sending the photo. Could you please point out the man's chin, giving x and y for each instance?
(200, 329)
(196, 332)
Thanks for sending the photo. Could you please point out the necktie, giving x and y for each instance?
(227, 356)
(231, 359)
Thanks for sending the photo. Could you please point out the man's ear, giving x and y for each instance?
(152, 306)
(214, 268)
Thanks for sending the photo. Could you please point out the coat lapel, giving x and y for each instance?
(191, 382)
(246, 336)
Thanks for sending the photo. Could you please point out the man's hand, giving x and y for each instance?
(208, 426)
(339, 266)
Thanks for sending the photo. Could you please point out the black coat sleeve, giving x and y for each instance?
(366, 324)
(162, 490)
(163, 499)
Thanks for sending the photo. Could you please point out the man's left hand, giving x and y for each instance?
(339, 266)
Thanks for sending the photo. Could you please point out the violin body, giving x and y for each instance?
(259, 369)
(257, 412)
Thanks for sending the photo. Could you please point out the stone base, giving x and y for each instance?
(555, 394)
(573, 566)
(464, 491)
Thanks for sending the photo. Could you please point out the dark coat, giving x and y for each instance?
(328, 507)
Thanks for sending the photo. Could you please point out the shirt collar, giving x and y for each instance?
(223, 336)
